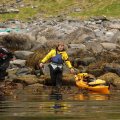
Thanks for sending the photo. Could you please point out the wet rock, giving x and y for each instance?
(84, 61)
(23, 71)
(17, 41)
(19, 86)
(12, 73)
(23, 55)
(18, 62)
(96, 72)
(26, 79)
(112, 67)
(36, 85)
(33, 60)
(111, 78)
(96, 68)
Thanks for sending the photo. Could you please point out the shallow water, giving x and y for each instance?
(49, 104)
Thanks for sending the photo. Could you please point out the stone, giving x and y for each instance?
(111, 78)
(78, 46)
(112, 67)
(23, 55)
(26, 79)
(85, 61)
(18, 62)
(41, 39)
(109, 46)
(94, 47)
(23, 71)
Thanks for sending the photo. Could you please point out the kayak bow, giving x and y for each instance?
(98, 85)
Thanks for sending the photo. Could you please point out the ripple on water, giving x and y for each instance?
(65, 104)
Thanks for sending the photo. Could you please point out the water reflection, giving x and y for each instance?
(60, 104)
(91, 96)
(55, 95)
(56, 104)
(2, 97)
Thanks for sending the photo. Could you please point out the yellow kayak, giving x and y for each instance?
(95, 86)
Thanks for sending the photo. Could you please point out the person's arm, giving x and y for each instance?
(47, 57)
(68, 63)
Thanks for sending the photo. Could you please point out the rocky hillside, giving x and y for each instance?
(93, 45)
(25, 9)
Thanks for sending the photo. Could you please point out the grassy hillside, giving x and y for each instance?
(110, 8)
(48, 8)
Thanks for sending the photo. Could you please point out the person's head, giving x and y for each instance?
(60, 46)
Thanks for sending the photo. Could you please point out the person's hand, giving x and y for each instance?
(41, 65)
(72, 71)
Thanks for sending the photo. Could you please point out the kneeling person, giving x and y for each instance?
(5, 57)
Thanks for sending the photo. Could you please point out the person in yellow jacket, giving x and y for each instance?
(58, 57)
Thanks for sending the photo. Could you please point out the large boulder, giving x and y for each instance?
(114, 26)
(109, 46)
(81, 47)
(111, 78)
(22, 54)
(95, 47)
(112, 67)
(34, 59)
(41, 39)
(81, 35)
(17, 41)
(26, 79)
(18, 62)
(84, 61)
(96, 68)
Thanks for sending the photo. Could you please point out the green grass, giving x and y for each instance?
(44, 7)
(109, 8)
(48, 8)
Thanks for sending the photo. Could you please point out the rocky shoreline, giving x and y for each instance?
(93, 46)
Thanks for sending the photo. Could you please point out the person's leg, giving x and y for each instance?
(2, 75)
(53, 75)
(59, 79)
(3, 69)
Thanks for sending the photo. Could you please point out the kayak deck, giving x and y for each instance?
(99, 88)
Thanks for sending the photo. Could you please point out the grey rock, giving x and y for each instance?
(115, 68)
(99, 33)
(109, 46)
(95, 47)
(23, 71)
(84, 61)
(114, 26)
(41, 39)
(77, 46)
(18, 62)
(22, 54)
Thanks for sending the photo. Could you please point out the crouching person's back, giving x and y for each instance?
(5, 57)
